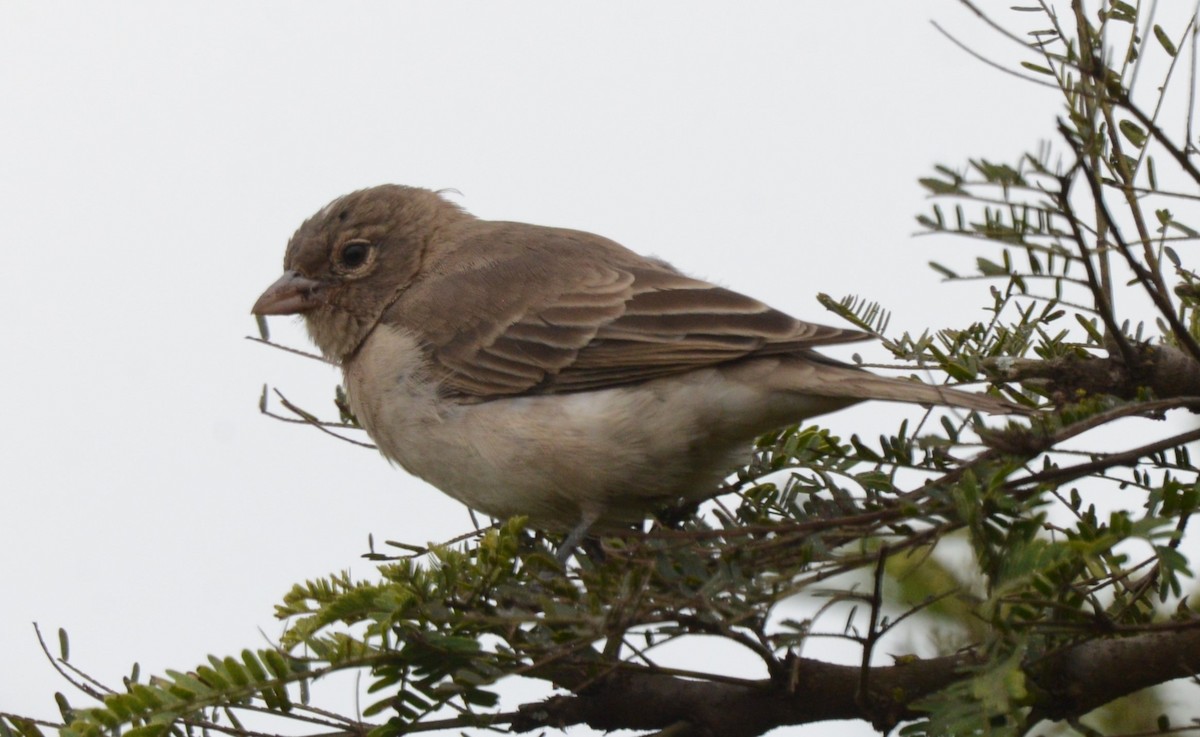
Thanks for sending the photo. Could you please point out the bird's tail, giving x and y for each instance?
(828, 378)
(915, 392)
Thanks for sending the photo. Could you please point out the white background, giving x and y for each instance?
(155, 158)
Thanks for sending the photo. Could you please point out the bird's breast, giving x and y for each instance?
(390, 391)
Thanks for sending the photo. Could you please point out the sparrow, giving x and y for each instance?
(553, 373)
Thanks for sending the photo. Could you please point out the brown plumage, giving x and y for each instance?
(550, 372)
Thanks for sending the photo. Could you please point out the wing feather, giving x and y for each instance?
(544, 310)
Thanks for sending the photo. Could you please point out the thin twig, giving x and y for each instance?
(310, 419)
(1059, 476)
(1152, 283)
(287, 349)
(87, 684)
(864, 681)
(989, 62)
(1099, 294)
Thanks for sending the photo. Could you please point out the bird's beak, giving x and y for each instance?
(291, 294)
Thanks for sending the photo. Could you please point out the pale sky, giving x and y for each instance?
(156, 157)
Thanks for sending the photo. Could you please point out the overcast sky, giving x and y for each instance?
(155, 158)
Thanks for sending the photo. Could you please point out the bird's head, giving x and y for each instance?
(352, 259)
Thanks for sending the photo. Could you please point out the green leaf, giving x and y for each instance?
(1189, 232)
(1161, 35)
(942, 270)
(24, 727)
(1090, 327)
(122, 705)
(186, 685)
(863, 451)
(254, 667)
(940, 187)
(1133, 132)
(211, 677)
(1122, 11)
(150, 697)
(275, 663)
(990, 268)
(958, 371)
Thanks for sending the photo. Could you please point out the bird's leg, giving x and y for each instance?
(674, 516)
(576, 536)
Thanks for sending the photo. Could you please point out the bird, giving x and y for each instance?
(553, 373)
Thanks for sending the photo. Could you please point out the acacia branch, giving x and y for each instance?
(1066, 684)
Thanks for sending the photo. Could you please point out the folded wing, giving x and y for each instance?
(581, 313)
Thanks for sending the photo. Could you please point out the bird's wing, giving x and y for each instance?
(570, 320)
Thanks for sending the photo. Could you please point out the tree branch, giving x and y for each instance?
(1067, 683)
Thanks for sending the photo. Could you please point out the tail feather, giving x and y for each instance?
(828, 378)
(915, 392)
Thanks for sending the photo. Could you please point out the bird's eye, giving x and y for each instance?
(354, 254)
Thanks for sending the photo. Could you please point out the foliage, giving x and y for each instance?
(1076, 536)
